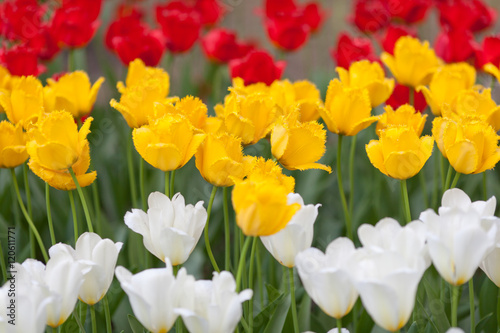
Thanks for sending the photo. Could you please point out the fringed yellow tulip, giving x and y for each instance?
(470, 146)
(74, 93)
(167, 143)
(260, 202)
(308, 98)
(479, 104)
(446, 84)
(405, 115)
(369, 75)
(4, 83)
(262, 169)
(493, 70)
(413, 62)
(190, 107)
(298, 146)
(12, 145)
(220, 159)
(138, 72)
(54, 145)
(347, 110)
(400, 153)
(248, 117)
(24, 104)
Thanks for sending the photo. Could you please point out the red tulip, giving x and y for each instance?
(210, 11)
(370, 15)
(471, 15)
(220, 45)
(393, 33)
(21, 61)
(401, 96)
(314, 15)
(455, 45)
(409, 11)
(274, 8)
(288, 33)
(72, 27)
(180, 24)
(488, 52)
(50, 48)
(147, 45)
(350, 50)
(90, 8)
(122, 27)
(257, 66)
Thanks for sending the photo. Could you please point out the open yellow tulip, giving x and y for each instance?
(24, 104)
(405, 115)
(12, 145)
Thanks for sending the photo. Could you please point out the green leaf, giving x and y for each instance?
(413, 328)
(262, 318)
(488, 303)
(365, 323)
(483, 322)
(135, 325)
(272, 293)
(278, 318)
(305, 313)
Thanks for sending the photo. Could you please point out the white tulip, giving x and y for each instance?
(387, 284)
(170, 229)
(455, 330)
(296, 236)
(458, 241)
(327, 278)
(100, 255)
(218, 306)
(155, 293)
(457, 199)
(491, 263)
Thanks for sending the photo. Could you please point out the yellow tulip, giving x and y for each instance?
(405, 115)
(400, 153)
(239, 87)
(24, 104)
(74, 93)
(167, 143)
(446, 84)
(190, 107)
(470, 146)
(308, 98)
(54, 145)
(139, 72)
(413, 62)
(493, 70)
(298, 146)
(369, 75)
(262, 170)
(12, 145)
(4, 83)
(479, 104)
(260, 201)
(347, 110)
(220, 159)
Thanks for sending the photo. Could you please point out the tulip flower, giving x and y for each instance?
(75, 24)
(190, 107)
(493, 70)
(5, 79)
(154, 294)
(455, 45)
(488, 52)
(392, 34)
(74, 93)
(401, 96)
(12, 145)
(327, 277)
(347, 110)
(308, 97)
(413, 62)
(369, 75)
(446, 84)
(296, 237)
(218, 306)
(221, 46)
(455, 198)
(370, 15)
(138, 73)
(349, 50)
(470, 146)
(472, 15)
(54, 145)
(288, 33)
(400, 153)
(21, 60)
(210, 11)
(490, 264)
(458, 242)
(100, 255)
(405, 115)
(167, 143)
(257, 66)
(298, 146)
(170, 228)
(220, 159)
(24, 104)
(262, 169)
(410, 11)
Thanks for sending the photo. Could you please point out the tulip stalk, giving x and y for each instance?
(73, 212)
(49, 214)
(27, 217)
(131, 177)
(485, 188)
(93, 318)
(339, 325)
(341, 189)
(455, 180)
(472, 306)
(406, 201)
(82, 199)
(30, 210)
(172, 182)
(241, 263)
(142, 191)
(97, 208)
(107, 315)
(167, 184)
(294, 301)
(250, 284)
(227, 232)
(351, 174)
(207, 240)
(454, 305)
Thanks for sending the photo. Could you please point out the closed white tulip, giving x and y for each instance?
(218, 306)
(327, 277)
(155, 293)
(457, 199)
(296, 236)
(100, 255)
(170, 229)
(491, 263)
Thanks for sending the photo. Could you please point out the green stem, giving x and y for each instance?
(339, 325)
(448, 178)
(131, 176)
(472, 307)
(49, 214)
(167, 183)
(167, 61)
(207, 240)
(351, 174)
(175, 269)
(406, 201)
(2, 265)
(82, 199)
(172, 182)
(250, 283)
(107, 315)
(454, 305)
(141, 186)
(259, 277)
(455, 180)
(30, 209)
(27, 217)
(227, 231)
(294, 301)
(341, 190)
(242, 262)
(485, 188)
(441, 166)
(97, 207)
(93, 318)
(73, 212)
(78, 321)
(71, 60)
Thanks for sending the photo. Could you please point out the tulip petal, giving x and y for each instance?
(376, 156)
(463, 157)
(382, 303)
(467, 261)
